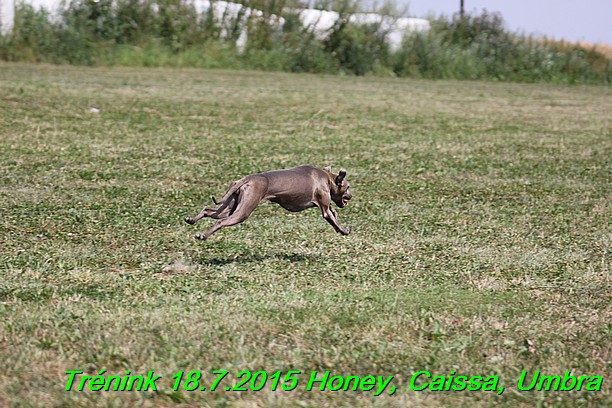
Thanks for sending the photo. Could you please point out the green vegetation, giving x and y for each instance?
(170, 33)
(480, 235)
(480, 47)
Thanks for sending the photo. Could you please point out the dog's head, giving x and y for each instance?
(340, 192)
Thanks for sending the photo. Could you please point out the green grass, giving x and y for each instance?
(480, 235)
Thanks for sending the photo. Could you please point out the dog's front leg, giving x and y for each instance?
(331, 216)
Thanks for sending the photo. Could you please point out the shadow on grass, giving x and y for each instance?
(244, 258)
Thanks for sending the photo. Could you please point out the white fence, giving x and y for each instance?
(320, 21)
(7, 15)
(7, 11)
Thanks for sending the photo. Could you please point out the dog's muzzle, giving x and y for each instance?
(345, 199)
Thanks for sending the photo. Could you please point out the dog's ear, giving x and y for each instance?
(340, 177)
(327, 168)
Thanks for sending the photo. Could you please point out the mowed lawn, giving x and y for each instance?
(480, 240)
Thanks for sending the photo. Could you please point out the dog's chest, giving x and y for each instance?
(293, 204)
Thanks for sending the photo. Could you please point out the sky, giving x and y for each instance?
(573, 20)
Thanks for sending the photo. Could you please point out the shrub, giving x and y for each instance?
(480, 47)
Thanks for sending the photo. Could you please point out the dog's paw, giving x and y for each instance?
(345, 231)
(200, 236)
(189, 220)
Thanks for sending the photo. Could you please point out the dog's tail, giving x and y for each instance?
(232, 189)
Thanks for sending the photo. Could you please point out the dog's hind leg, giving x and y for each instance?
(246, 201)
(225, 209)
(226, 206)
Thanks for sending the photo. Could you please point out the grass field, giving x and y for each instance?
(480, 236)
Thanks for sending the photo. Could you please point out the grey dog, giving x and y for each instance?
(294, 189)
